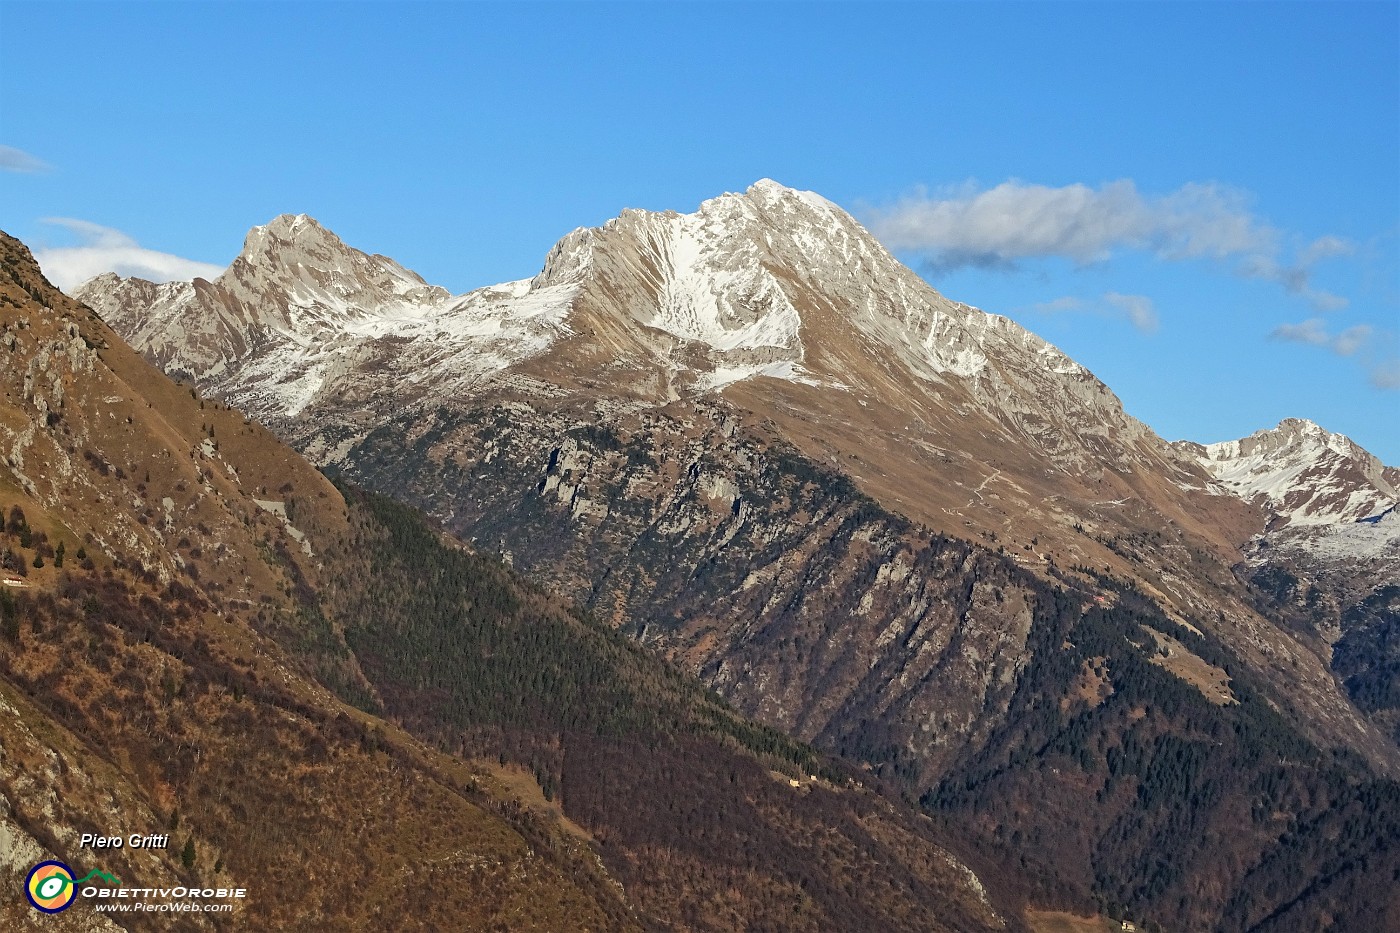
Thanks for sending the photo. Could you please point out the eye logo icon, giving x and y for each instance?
(50, 887)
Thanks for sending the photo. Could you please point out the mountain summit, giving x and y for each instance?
(774, 285)
(1302, 473)
(783, 284)
(299, 258)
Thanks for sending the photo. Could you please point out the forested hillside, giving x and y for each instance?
(685, 800)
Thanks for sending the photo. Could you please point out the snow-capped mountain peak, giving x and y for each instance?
(1301, 472)
(768, 283)
(783, 284)
(307, 266)
(299, 309)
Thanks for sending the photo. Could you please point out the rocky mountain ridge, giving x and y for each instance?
(744, 287)
(773, 305)
(774, 299)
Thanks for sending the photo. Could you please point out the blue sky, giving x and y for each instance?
(1201, 203)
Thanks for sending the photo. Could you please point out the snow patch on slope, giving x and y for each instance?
(698, 300)
(785, 369)
(1371, 539)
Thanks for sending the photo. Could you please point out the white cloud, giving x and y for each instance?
(1137, 308)
(1312, 331)
(1015, 221)
(103, 249)
(1352, 339)
(17, 160)
(1067, 303)
(1294, 278)
(1386, 375)
(1322, 248)
(1324, 301)
(1375, 349)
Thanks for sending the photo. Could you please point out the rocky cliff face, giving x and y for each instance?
(792, 593)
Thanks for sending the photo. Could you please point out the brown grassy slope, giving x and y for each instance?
(121, 717)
